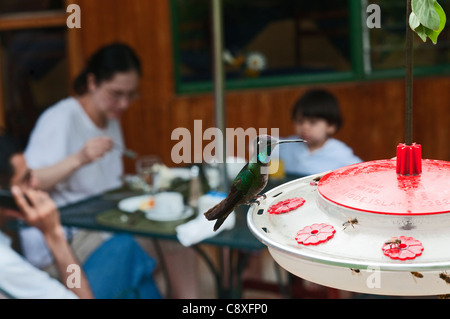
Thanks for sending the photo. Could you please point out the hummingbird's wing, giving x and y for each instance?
(243, 179)
(236, 196)
(226, 205)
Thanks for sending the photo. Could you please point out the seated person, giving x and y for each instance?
(20, 279)
(117, 269)
(72, 148)
(317, 117)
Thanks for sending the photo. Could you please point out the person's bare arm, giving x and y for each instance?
(64, 258)
(94, 148)
(42, 213)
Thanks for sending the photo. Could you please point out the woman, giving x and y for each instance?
(72, 149)
(72, 145)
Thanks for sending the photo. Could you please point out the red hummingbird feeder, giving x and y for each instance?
(390, 220)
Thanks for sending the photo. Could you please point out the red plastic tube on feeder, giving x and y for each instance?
(409, 159)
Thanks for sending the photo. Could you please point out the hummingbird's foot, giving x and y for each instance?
(258, 197)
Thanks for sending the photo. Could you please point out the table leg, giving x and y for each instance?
(164, 268)
(285, 289)
(228, 274)
(211, 267)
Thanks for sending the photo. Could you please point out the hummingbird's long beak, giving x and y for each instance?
(291, 141)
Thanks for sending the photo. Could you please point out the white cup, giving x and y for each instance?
(168, 204)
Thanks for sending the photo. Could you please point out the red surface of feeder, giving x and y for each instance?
(375, 187)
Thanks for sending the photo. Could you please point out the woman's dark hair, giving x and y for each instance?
(8, 147)
(318, 104)
(105, 63)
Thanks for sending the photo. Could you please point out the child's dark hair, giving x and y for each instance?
(321, 104)
(105, 63)
(8, 147)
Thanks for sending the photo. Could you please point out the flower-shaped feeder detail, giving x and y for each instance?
(315, 234)
(402, 248)
(286, 205)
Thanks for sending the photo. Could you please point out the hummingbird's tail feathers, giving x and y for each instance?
(219, 222)
(224, 208)
(212, 213)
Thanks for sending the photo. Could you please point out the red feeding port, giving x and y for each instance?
(409, 159)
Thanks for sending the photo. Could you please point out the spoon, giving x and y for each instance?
(126, 152)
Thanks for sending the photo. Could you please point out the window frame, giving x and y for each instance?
(27, 21)
(359, 68)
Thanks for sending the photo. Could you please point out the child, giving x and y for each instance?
(316, 116)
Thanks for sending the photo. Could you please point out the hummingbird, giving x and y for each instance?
(251, 180)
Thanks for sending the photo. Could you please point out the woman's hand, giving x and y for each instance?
(95, 148)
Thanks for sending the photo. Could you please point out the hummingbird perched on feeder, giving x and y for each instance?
(250, 180)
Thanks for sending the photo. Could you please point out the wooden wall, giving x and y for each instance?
(373, 111)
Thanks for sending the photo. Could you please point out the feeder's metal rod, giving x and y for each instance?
(408, 79)
(219, 86)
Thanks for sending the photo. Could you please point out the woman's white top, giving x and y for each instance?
(62, 130)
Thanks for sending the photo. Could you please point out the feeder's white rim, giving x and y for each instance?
(401, 266)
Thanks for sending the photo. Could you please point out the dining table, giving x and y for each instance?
(235, 246)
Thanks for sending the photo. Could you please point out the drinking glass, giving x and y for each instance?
(147, 168)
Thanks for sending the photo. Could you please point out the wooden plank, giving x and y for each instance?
(30, 20)
(372, 110)
(74, 50)
(2, 98)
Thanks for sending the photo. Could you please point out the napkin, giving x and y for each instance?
(198, 229)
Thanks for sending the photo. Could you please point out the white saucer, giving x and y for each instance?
(157, 216)
(132, 204)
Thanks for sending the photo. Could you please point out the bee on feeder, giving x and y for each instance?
(416, 274)
(350, 222)
(355, 271)
(317, 178)
(445, 277)
(394, 241)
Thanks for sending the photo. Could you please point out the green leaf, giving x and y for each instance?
(433, 34)
(426, 13)
(421, 32)
(413, 21)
